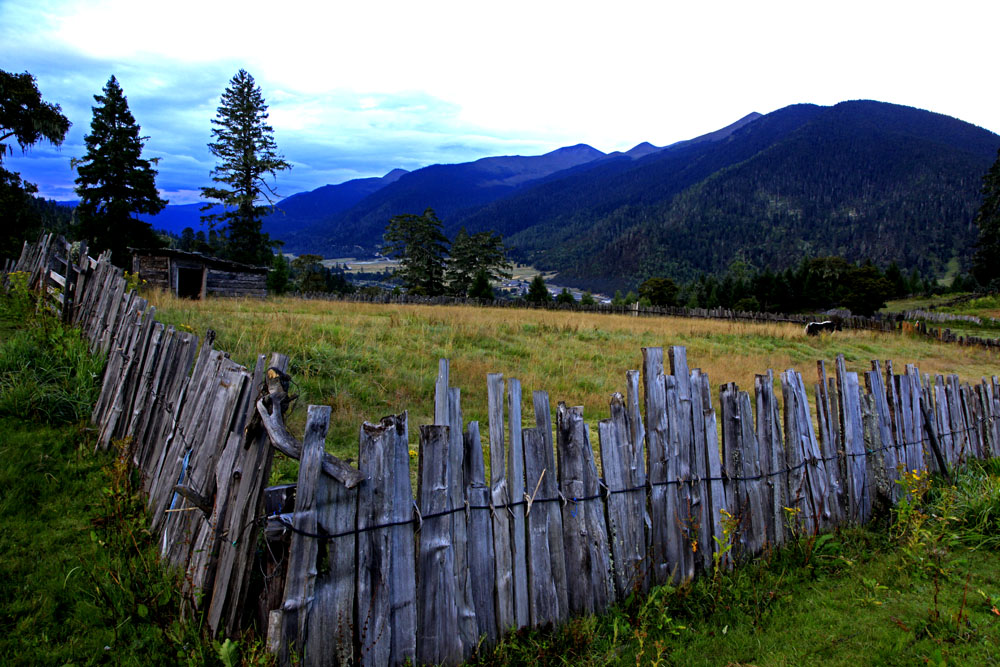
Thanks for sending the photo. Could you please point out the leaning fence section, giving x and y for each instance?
(361, 568)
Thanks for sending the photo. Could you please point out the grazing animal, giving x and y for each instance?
(815, 328)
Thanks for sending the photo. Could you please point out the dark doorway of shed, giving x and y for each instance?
(189, 283)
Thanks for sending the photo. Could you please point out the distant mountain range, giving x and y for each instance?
(860, 179)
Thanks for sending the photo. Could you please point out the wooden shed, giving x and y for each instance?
(194, 275)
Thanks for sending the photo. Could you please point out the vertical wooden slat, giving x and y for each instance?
(304, 551)
(682, 441)
(480, 531)
(584, 528)
(438, 641)
(500, 498)
(656, 453)
(550, 489)
(772, 457)
(376, 453)
(515, 486)
(625, 515)
(859, 495)
(402, 572)
(717, 494)
(543, 602)
(876, 386)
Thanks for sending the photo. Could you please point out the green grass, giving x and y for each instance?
(921, 590)
(80, 579)
(367, 361)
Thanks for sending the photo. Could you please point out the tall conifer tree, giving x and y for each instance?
(986, 261)
(114, 182)
(245, 147)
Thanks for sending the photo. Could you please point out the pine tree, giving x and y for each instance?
(114, 182)
(471, 254)
(422, 249)
(245, 147)
(986, 261)
(537, 291)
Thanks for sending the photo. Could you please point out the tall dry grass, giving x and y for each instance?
(367, 361)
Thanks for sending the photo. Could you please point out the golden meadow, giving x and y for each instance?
(369, 360)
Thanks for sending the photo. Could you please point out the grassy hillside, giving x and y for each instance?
(367, 361)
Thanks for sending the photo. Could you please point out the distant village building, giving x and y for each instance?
(195, 276)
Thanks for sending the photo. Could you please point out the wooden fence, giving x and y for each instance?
(366, 572)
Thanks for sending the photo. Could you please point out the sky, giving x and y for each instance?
(358, 89)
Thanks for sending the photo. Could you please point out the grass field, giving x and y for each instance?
(81, 583)
(367, 361)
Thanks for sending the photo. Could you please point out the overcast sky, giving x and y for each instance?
(357, 89)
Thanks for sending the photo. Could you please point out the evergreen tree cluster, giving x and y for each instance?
(815, 285)
(427, 266)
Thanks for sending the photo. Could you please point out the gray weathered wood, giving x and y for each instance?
(584, 527)
(500, 498)
(515, 486)
(402, 572)
(438, 640)
(681, 428)
(554, 530)
(827, 414)
(332, 623)
(717, 493)
(543, 603)
(807, 481)
(772, 457)
(303, 554)
(755, 485)
(626, 509)
(679, 512)
(657, 439)
(876, 387)
(376, 454)
(480, 531)
(859, 495)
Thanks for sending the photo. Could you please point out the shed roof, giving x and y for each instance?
(211, 262)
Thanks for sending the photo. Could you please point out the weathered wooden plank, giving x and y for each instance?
(879, 484)
(920, 450)
(717, 495)
(807, 482)
(959, 433)
(332, 624)
(681, 428)
(304, 551)
(448, 411)
(247, 481)
(554, 529)
(625, 515)
(376, 457)
(402, 572)
(515, 486)
(772, 457)
(543, 603)
(876, 387)
(500, 498)
(679, 530)
(754, 484)
(827, 414)
(942, 417)
(480, 530)
(734, 486)
(438, 640)
(657, 439)
(859, 497)
(584, 527)
(970, 416)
